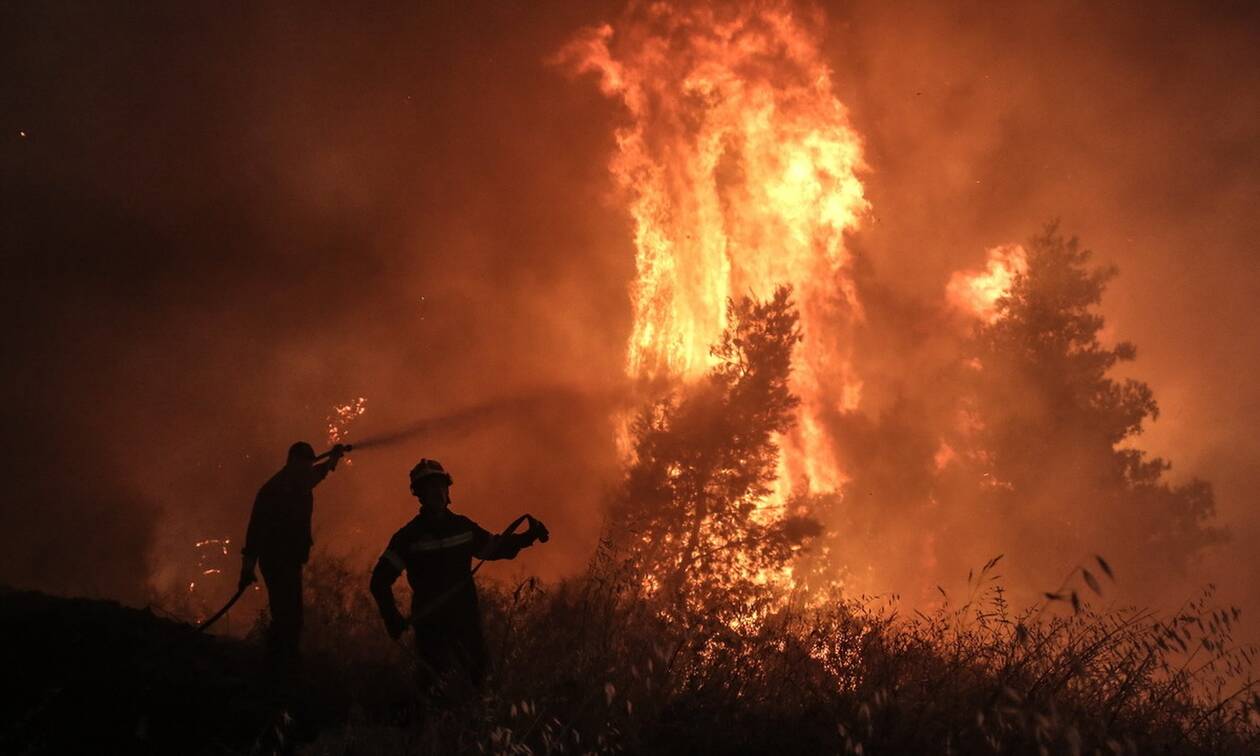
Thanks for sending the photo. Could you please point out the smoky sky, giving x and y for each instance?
(223, 221)
(219, 221)
(1135, 126)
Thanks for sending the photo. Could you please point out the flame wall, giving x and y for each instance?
(740, 169)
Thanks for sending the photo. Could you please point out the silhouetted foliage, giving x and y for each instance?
(1025, 441)
(704, 460)
(586, 666)
(1050, 424)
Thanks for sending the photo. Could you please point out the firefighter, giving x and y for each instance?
(279, 541)
(436, 550)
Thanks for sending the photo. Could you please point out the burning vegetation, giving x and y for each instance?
(768, 574)
(741, 173)
(678, 639)
(740, 169)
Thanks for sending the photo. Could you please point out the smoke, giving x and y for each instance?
(982, 123)
(224, 222)
(463, 421)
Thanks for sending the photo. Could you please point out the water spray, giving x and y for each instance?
(475, 415)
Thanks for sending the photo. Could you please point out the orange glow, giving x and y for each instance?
(741, 173)
(977, 292)
(343, 415)
(212, 554)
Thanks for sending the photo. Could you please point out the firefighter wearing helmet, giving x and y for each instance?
(436, 550)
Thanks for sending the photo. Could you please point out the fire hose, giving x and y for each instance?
(343, 448)
(219, 614)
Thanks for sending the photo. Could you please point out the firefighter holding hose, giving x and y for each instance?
(436, 550)
(279, 541)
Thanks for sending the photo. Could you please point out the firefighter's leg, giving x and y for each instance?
(284, 593)
(271, 577)
(433, 665)
(472, 653)
(295, 627)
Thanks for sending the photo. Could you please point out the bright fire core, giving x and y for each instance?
(741, 170)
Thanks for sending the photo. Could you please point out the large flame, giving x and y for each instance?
(741, 170)
(976, 292)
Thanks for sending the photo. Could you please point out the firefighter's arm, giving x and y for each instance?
(508, 545)
(387, 570)
(322, 469)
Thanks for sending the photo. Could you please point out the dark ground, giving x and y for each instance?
(95, 676)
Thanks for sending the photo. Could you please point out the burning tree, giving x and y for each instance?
(740, 169)
(692, 520)
(1052, 429)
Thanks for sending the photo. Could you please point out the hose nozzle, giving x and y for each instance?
(338, 449)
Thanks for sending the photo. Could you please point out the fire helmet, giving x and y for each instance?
(302, 450)
(427, 468)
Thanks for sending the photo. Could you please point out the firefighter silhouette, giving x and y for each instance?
(436, 550)
(279, 541)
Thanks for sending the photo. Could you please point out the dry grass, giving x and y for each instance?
(588, 667)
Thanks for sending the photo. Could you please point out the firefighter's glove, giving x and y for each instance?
(338, 451)
(537, 531)
(395, 625)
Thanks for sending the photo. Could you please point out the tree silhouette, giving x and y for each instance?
(690, 519)
(1051, 430)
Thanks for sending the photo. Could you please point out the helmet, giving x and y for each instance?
(427, 468)
(302, 450)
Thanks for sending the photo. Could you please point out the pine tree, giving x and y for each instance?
(688, 519)
(1053, 440)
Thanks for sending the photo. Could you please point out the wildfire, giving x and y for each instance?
(212, 553)
(342, 417)
(740, 168)
(977, 292)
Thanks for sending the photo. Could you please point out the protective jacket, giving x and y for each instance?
(437, 553)
(280, 525)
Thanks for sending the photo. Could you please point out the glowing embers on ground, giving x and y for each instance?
(977, 292)
(740, 170)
